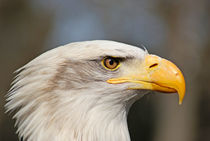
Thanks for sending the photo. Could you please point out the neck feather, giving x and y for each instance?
(101, 119)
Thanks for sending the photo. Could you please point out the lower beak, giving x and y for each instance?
(156, 74)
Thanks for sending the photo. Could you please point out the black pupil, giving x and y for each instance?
(111, 61)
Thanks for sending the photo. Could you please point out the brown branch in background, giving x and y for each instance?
(183, 45)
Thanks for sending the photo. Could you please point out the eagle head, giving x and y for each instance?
(83, 91)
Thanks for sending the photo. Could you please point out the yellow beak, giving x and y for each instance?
(157, 74)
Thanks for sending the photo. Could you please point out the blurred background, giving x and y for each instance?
(174, 29)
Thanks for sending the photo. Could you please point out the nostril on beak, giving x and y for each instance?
(153, 65)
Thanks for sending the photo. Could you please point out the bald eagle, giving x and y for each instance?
(83, 91)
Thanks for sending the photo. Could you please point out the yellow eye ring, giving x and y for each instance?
(110, 63)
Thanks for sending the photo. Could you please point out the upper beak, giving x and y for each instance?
(157, 74)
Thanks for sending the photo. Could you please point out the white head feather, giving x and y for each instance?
(62, 95)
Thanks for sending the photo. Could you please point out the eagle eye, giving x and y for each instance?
(111, 63)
